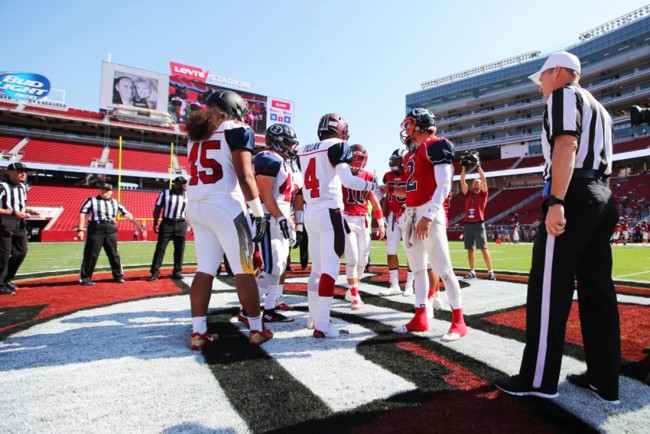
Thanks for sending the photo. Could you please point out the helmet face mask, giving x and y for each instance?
(282, 139)
(231, 103)
(396, 161)
(418, 120)
(333, 123)
(359, 158)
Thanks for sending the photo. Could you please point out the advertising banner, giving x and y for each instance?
(185, 97)
(24, 86)
(280, 111)
(124, 85)
(186, 71)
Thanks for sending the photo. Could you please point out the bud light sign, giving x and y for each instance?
(24, 86)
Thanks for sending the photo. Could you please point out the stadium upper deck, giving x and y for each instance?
(495, 108)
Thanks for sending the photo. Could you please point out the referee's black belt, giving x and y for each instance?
(173, 220)
(99, 222)
(588, 174)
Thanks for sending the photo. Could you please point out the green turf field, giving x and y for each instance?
(631, 262)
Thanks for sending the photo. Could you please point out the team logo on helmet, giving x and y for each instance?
(417, 120)
(282, 139)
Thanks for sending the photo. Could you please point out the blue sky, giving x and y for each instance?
(358, 58)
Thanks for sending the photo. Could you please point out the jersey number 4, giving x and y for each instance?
(199, 152)
(311, 182)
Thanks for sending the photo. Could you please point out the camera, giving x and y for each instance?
(639, 115)
(469, 159)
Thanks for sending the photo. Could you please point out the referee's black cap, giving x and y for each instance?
(181, 179)
(17, 166)
(106, 186)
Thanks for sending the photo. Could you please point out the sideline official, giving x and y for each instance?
(102, 232)
(573, 242)
(172, 203)
(13, 229)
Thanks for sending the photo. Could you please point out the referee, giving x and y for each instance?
(102, 232)
(13, 229)
(172, 204)
(572, 243)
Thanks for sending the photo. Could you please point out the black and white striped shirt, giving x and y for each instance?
(572, 110)
(173, 205)
(100, 209)
(13, 197)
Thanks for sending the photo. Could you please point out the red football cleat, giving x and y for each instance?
(198, 340)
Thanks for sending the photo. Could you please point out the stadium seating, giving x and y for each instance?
(494, 165)
(632, 145)
(139, 203)
(507, 200)
(8, 142)
(147, 161)
(533, 161)
(53, 152)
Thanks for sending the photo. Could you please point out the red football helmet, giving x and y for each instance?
(359, 158)
(333, 123)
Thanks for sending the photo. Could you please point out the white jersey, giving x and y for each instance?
(212, 173)
(322, 187)
(287, 179)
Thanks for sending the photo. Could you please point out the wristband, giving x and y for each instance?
(300, 217)
(376, 213)
(256, 207)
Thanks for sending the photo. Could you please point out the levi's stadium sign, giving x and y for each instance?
(24, 86)
(191, 72)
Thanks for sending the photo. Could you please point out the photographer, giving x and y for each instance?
(475, 200)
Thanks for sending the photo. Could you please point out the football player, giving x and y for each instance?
(429, 171)
(222, 183)
(325, 167)
(278, 181)
(355, 212)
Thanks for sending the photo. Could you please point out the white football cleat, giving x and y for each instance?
(356, 304)
(348, 296)
(393, 289)
(329, 332)
(408, 291)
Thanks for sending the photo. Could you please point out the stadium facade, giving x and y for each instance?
(497, 110)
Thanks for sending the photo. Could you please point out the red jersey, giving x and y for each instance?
(475, 206)
(355, 202)
(418, 169)
(395, 203)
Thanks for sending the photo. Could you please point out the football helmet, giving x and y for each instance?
(335, 124)
(417, 120)
(359, 158)
(229, 102)
(396, 161)
(282, 139)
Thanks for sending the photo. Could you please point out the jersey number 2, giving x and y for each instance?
(199, 152)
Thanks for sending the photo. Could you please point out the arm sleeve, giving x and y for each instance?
(444, 175)
(240, 137)
(350, 181)
(121, 209)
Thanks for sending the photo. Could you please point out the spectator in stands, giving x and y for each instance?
(123, 91)
(474, 234)
(13, 229)
(172, 203)
(573, 243)
(102, 232)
